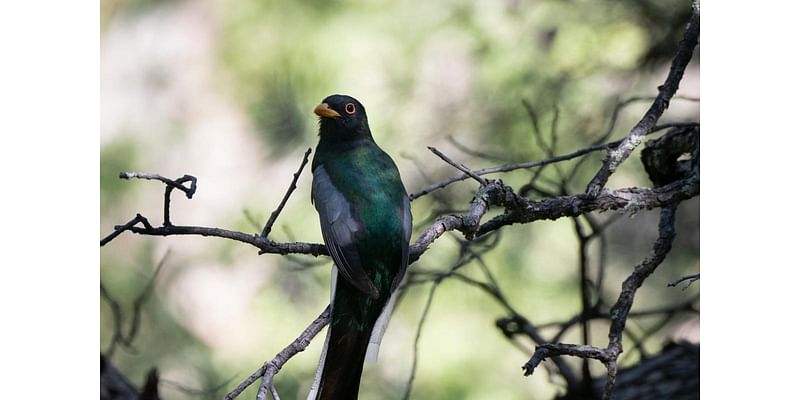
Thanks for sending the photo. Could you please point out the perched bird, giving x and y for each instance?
(365, 216)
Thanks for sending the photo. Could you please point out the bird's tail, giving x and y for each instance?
(341, 363)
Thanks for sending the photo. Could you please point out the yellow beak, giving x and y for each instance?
(323, 110)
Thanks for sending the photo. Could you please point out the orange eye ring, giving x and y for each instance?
(350, 108)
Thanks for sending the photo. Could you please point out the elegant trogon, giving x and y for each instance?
(365, 217)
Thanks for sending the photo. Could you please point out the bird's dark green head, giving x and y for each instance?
(342, 118)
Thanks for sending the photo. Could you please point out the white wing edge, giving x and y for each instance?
(380, 328)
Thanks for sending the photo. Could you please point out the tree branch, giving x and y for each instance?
(271, 367)
(690, 278)
(274, 216)
(170, 185)
(665, 92)
(549, 350)
(628, 200)
(458, 166)
(619, 312)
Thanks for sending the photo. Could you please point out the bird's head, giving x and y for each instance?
(342, 118)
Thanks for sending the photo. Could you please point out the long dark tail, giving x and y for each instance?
(344, 361)
(352, 320)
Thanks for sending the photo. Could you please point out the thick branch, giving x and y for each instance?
(621, 309)
(665, 92)
(619, 312)
(629, 199)
(549, 350)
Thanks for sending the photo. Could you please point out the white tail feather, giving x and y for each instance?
(380, 328)
(318, 375)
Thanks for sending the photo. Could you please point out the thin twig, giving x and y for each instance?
(122, 228)
(690, 278)
(586, 301)
(421, 323)
(274, 216)
(537, 132)
(271, 367)
(170, 185)
(143, 296)
(116, 317)
(119, 337)
(458, 166)
(176, 184)
(507, 168)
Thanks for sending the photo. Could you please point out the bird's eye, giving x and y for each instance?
(350, 108)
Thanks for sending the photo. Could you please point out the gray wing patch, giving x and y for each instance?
(407, 218)
(340, 227)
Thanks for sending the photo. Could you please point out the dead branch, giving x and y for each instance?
(274, 216)
(620, 153)
(461, 167)
(170, 185)
(620, 310)
(689, 278)
(271, 367)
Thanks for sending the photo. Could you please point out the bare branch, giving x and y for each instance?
(549, 350)
(619, 312)
(421, 323)
(176, 184)
(458, 166)
(690, 278)
(274, 216)
(122, 228)
(666, 91)
(270, 368)
(629, 200)
(509, 167)
(255, 240)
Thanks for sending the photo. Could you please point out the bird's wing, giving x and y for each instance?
(340, 228)
(383, 320)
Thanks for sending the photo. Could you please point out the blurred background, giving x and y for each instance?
(223, 90)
